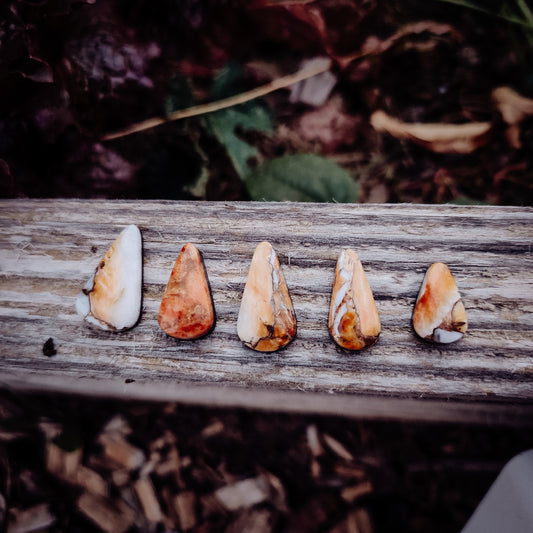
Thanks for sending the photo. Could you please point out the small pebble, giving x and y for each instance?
(48, 348)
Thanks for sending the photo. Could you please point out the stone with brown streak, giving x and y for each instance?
(111, 298)
(186, 310)
(353, 317)
(266, 319)
(439, 314)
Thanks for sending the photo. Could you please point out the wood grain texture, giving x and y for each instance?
(48, 249)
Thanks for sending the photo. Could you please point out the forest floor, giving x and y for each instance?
(424, 102)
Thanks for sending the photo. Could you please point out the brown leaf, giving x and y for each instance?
(440, 138)
(329, 125)
(513, 106)
(373, 45)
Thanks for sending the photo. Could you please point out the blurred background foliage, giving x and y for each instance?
(417, 101)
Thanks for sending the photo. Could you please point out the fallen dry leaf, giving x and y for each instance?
(374, 45)
(514, 108)
(316, 90)
(440, 138)
(329, 125)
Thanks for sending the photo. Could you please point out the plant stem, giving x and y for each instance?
(202, 109)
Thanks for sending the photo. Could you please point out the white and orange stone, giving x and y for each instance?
(266, 319)
(439, 314)
(353, 316)
(111, 298)
(186, 310)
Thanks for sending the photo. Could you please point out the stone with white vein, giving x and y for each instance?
(353, 317)
(266, 319)
(439, 315)
(111, 298)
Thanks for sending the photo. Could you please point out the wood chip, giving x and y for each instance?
(243, 494)
(8, 436)
(315, 468)
(171, 464)
(50, 430)
(146, 494)
(109, 516)
(121, 451)
(361, 520)
(92, 481)
(350, 471)
(315, 512)
(184, 504)
(62, 464)
(212, 506)
(117, 425)
(120, 477)
(3, 508)
(350, 494)
(336, 447)
(278, 496)
(357, 521)
(253, 521)
(148, 467)
(215, 428)
(313, 440)
(166, 439)
(35, 518)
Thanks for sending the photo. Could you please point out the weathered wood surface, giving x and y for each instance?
(48, 248)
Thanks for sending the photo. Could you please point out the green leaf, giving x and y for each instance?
(226, 123)
(199, 187)
(228, 81)
(302, 178)
(516, 12)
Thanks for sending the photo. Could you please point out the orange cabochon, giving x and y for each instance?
(111, 298)
(266, 318)
(439, 314)
(353, 317)
(186, 310)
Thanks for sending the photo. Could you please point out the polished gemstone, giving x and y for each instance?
(266, 318)
(186, 310)
(111, 298)
(439, 314)
(353, 316)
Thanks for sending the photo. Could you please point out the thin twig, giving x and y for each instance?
(203, 109)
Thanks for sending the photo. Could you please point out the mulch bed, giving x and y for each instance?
(79, 464)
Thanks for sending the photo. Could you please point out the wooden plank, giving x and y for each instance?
(48, 248)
